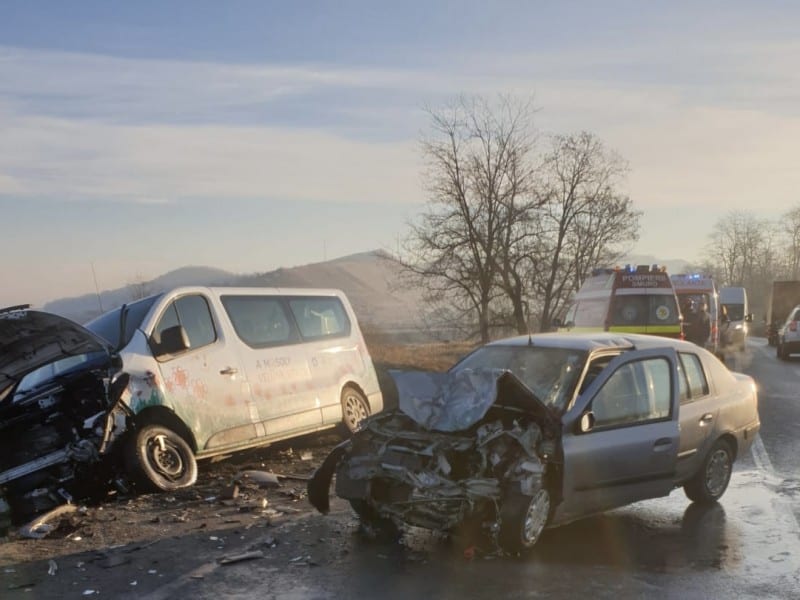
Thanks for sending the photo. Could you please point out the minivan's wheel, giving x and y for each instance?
(711, 480)
(159, 459)
(522, 520)
(355, 408)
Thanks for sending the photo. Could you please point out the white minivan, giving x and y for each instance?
(734, 317)
(149, 388)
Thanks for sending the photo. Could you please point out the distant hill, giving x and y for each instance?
(86, 307)
(371, 281)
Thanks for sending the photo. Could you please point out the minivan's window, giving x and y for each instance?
(107, 325)
(260, 321)
(636, 392)
(698, 385)
(320, 317)
(193, 314)
(638, 310)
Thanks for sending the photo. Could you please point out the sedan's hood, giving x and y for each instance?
(456, 401)
(30, 339)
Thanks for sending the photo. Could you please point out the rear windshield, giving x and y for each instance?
(644, 310)
(107, 325)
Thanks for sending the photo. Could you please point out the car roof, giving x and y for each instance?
(590, 342)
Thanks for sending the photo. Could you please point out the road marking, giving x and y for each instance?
(763, 462)
(760, 456)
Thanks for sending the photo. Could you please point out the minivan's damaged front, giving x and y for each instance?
(474, 448)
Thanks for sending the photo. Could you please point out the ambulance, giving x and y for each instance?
(634, 299)
(701, 289)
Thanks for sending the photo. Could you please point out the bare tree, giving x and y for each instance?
(790, 228)
(740, 245)
(139, 287)
(583, 220)
(479, 181)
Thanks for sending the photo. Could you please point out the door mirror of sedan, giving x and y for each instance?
(587, 422)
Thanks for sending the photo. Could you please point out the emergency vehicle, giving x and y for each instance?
(700, 289)
(636, 299)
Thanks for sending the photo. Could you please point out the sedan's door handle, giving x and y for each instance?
(229, 371)
(706, 419)
(662, 444)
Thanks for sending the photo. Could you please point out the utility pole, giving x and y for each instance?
(97, 289)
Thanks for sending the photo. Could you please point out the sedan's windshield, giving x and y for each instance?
(550, 373)
(107, 325)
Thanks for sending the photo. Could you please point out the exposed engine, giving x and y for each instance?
(55, 441)
(440, 480)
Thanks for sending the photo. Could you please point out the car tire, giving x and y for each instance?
(355, 408)
(374, 525)
(522, 520)
(157, 458)
(711, 480)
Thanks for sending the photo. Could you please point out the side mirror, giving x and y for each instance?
(587, 422)
(173, 340)
(748, 318)
(569, 324)
(556, 322)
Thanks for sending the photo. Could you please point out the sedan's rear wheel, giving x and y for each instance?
(711, 480)
(522, 520)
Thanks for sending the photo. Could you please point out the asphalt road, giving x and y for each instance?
(746, 547)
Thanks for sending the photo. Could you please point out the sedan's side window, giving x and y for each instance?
(698, 384)
(636, 392)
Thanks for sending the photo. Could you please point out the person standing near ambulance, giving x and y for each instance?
(699, 328)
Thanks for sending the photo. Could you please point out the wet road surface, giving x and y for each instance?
(748, 546)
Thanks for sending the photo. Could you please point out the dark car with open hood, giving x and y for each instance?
(60, 411)
(537, 431)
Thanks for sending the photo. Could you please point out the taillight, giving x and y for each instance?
(793, 326)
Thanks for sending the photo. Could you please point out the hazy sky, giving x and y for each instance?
(144, 136)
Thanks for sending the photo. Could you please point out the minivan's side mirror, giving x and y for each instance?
(173, 340)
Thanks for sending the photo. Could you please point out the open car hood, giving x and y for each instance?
(30, 339)
(456, 401)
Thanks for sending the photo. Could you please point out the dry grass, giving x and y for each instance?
(438, 356)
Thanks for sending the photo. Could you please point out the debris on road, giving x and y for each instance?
(44, 525)
(264, 479)
(237, 558)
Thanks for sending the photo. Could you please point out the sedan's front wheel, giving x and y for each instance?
(711, 480)
(522, 520)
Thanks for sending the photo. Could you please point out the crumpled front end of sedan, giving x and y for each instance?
(470, 449)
